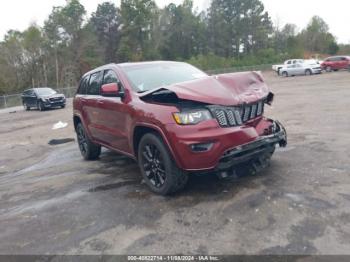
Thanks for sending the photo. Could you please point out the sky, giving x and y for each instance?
(18, 14)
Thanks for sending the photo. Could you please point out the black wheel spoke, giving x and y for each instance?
(82, 140)
(153, 165)
(146, 156)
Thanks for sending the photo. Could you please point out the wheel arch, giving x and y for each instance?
(76, 121)
(141, 129)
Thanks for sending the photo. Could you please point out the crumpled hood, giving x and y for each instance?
(226, 89)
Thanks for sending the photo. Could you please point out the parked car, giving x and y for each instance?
(306, 68)
(174, 119)
(336, 63)
(277, 68)
(42, 98)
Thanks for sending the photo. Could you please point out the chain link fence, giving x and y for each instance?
(16, 100)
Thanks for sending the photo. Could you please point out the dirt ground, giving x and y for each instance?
(53, 202)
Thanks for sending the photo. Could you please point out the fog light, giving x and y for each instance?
(201, 147)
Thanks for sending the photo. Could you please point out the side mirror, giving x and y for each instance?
(112, 90)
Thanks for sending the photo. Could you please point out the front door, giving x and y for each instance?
(114, 115)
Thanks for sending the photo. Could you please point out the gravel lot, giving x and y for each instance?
(53, 202)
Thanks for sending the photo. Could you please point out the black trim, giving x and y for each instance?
(254, 150)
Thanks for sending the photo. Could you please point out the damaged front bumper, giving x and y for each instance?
(257, 152)
(207, 147)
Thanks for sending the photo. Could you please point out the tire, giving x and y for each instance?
(26, 107)
(328, 69)
(63, 106)
(285, 74)
(41, 106)
(88, 149)
(308, 72)
(158, 168)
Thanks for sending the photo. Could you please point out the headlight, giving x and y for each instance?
(192, 117)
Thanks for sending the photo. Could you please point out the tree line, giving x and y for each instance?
(230, 33)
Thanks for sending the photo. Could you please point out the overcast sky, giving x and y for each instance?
(18, 14)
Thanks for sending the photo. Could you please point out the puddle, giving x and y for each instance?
(55, 142)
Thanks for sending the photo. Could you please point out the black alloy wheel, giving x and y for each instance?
(88, 149)
(83, 146)
(153, 165)
(158, 168)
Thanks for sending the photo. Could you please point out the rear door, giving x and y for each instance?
(299, 69)
(291, 69)
(337, 62)
(32, 98)
(343, 63)
(25, 97)
(90, 108)
(114, 116)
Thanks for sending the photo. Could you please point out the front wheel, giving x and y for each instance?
(88, 149)
(308, 72)
(26, 107)
(41, 106)
(158, 168)
(328, 69)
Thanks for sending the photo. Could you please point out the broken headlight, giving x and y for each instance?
(192, 117)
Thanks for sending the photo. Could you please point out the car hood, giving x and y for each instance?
(225, 89)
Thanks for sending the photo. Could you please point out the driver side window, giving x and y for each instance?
(110, 77)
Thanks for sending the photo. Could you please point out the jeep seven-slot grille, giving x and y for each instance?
(237, 115)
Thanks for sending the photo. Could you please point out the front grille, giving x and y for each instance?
(237, 115)
(56, 99)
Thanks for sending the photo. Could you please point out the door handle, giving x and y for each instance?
(100, 102)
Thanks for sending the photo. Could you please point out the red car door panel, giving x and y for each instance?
(114, 117)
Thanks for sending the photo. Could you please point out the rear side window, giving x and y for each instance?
(110, 77)
(83, 85)
(95, 84)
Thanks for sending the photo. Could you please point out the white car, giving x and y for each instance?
(305, 68)
(278, 68)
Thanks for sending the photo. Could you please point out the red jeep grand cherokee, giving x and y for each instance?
(336, 63)
(174, 119)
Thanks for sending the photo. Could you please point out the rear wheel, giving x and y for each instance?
(88, 149)
(285, 74)
(158, 168)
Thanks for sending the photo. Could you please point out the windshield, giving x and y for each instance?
(45, 91)
(150, 76)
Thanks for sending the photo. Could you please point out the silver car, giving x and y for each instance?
(301, 69)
